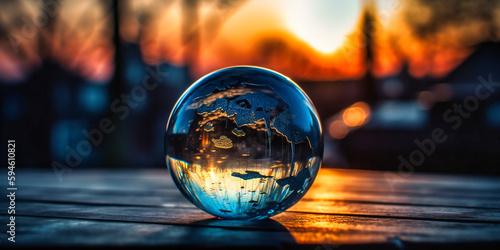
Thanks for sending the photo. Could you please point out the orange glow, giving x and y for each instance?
(253, 33)
(338, 129)
(435, 53)
(356, 115)
(79, 38)
(205, 140)
(287, 36)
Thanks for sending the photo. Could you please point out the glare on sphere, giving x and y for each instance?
(244, 143)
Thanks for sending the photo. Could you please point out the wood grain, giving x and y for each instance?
(343, 208)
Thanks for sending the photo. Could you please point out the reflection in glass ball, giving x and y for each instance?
(244, 143)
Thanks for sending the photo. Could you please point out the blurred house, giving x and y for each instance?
(452, 104)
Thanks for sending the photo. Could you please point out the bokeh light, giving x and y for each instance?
(357, 114)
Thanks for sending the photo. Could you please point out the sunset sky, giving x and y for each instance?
(311, 40)
(320, 39)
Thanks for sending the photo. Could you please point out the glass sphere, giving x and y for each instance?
(244, 143)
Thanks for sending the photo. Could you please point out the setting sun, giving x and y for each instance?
(322, 24)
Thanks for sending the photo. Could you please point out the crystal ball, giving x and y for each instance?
(244, 143)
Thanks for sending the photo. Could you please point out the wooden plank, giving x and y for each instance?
(332, 179)
(416, 206)
(337, 201)
(399, 211)
(168, 197)
(53, 232)
(352, 229)
(343, 207)
(305, 228)
(306, 206)
(316, 193)
(330, 185)
(61, 233)
(417, 189)
(96, 179)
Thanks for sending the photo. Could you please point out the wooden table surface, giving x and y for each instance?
(343, 209)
